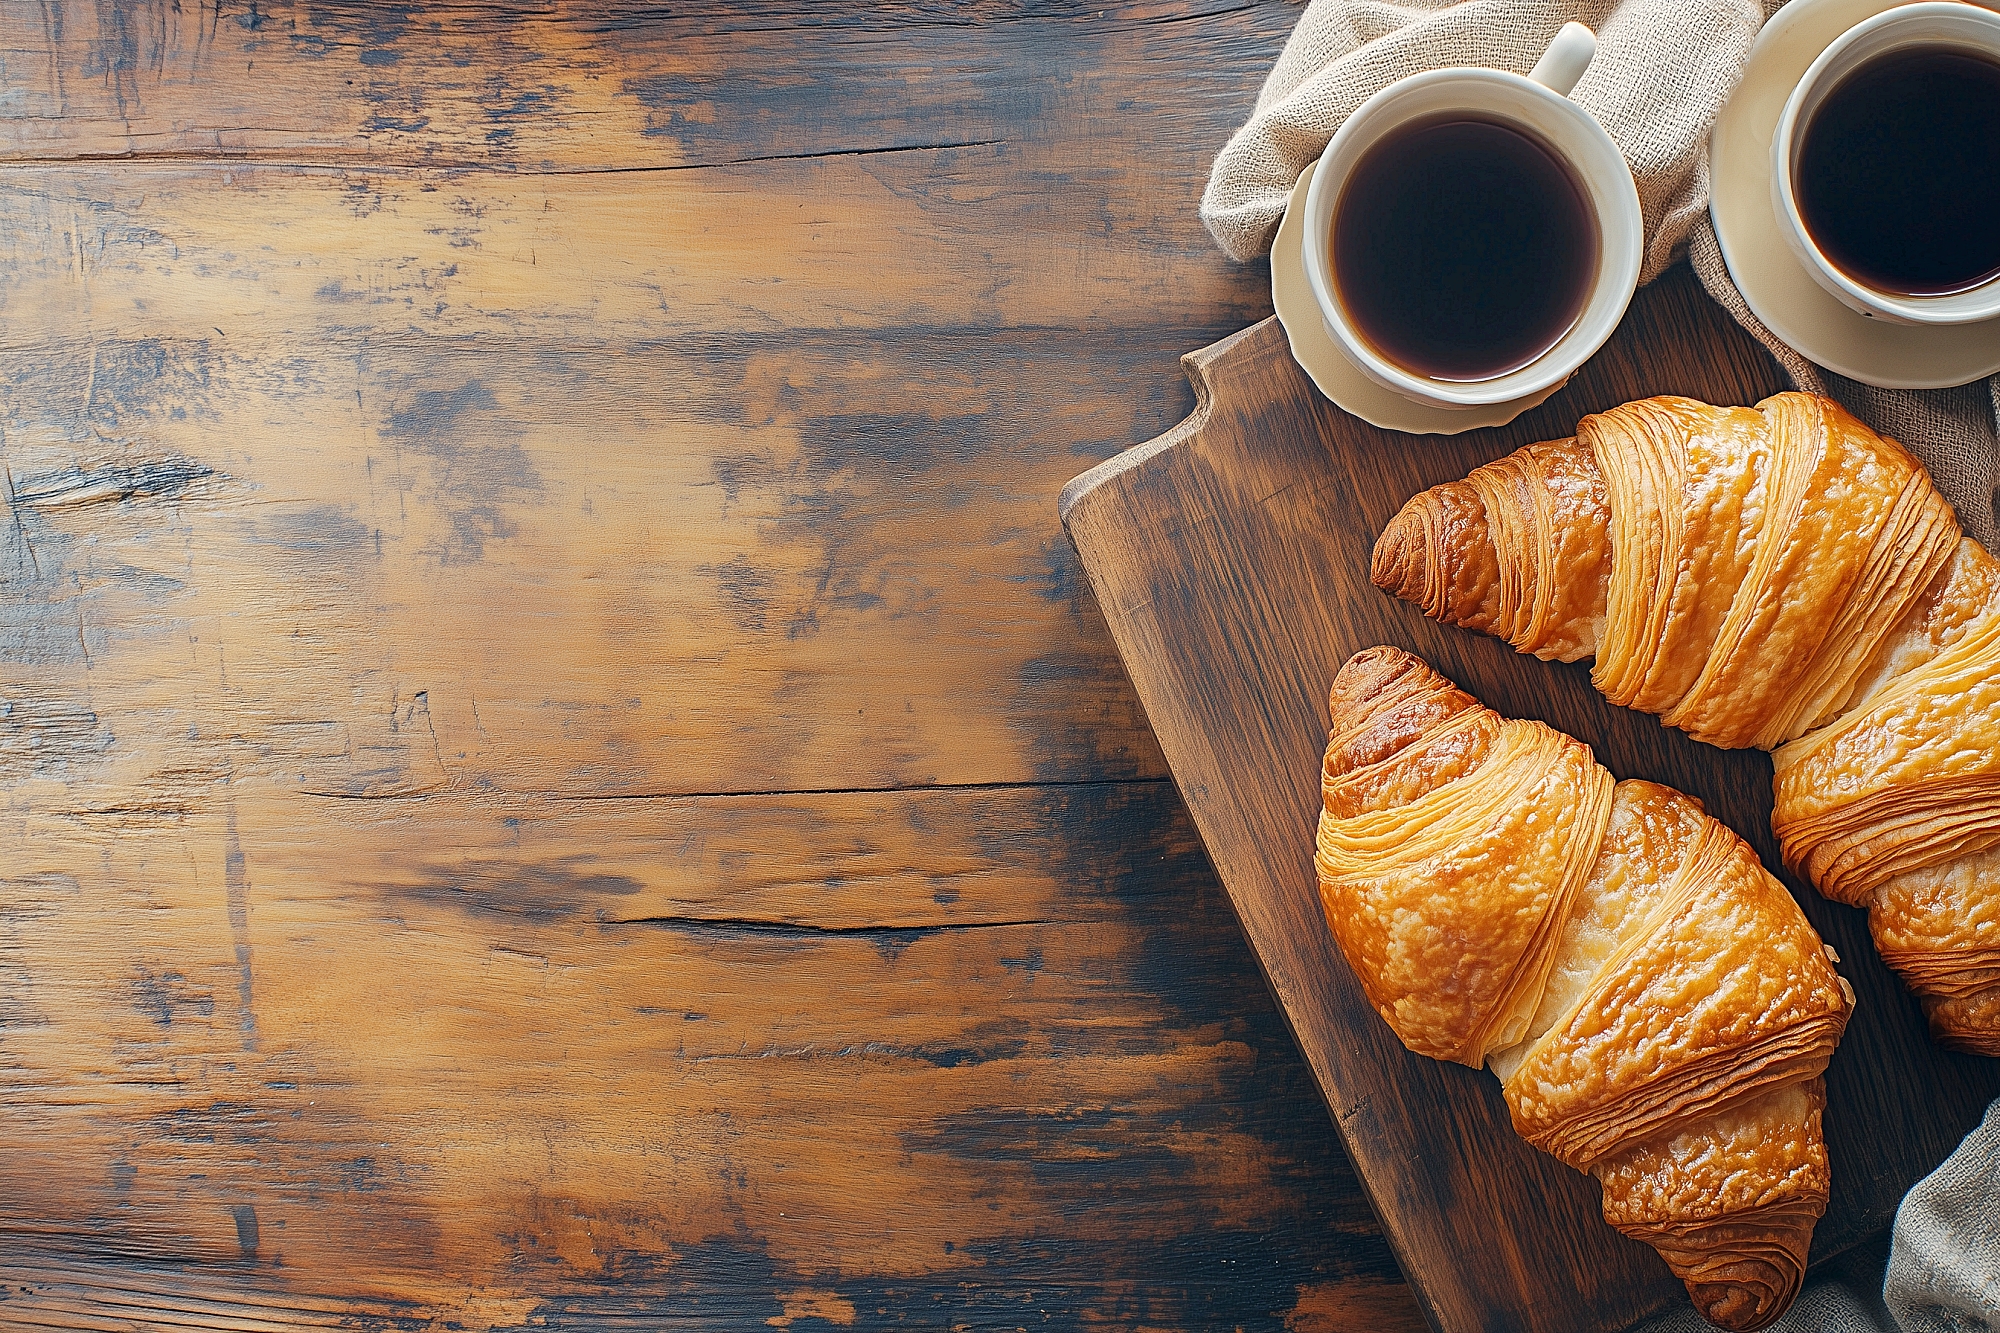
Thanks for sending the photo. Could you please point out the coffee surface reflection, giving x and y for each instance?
(1898, 176)
(1463, 249)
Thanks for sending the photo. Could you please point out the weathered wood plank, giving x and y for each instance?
(754, 565)
(441, 414)
(71, 1299)
(986, 236)
(400, 1049)
(295, 316)
(566, 87)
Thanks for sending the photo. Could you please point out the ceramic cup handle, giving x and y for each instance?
(1568, 56)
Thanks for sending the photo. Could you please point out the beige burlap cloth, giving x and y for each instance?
(1662, 72)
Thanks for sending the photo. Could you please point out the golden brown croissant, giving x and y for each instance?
(1777, 576)
(1656, 1006)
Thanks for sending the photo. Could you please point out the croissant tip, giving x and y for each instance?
(1742, 1271)
(1738, 1308)
(1970, 1043)
(1974, 1032)
(1745, 1283)
(1383, 658)
(1397, 556)
(1367, 674)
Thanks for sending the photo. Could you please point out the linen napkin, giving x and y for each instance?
(1944, 1264)
(1663, 70)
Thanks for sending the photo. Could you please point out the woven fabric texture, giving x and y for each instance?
(1944, 1265)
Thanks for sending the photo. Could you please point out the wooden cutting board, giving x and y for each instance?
(1230, 557)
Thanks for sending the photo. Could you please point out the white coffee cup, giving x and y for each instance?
(1938, 23)
(1538, 105)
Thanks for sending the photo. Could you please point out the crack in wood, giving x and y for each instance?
(909, 789)
(73, 487)
(250, 157)
(723, 925)
(856, 791)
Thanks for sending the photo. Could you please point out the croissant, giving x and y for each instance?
(1781, 577)
(1658, 1010)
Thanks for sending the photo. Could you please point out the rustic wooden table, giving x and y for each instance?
(558, 770)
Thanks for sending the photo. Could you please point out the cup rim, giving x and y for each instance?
(1618, 264)
(1784, 149)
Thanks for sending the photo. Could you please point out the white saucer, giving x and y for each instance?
(1339, 378)
(1773, 281)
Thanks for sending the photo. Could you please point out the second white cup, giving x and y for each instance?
(1941, 24)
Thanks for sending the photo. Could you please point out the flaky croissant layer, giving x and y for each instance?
(1657, 1009)
(1777, 576)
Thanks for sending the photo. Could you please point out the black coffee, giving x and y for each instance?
(1898, 175)
(1463, 249)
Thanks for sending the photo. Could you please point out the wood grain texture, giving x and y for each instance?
(538, 1042)
(555, 767)
(1231, 557)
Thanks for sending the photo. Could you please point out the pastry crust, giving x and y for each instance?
(1777, 576)
(1656, 1006)
(1730, 1201)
